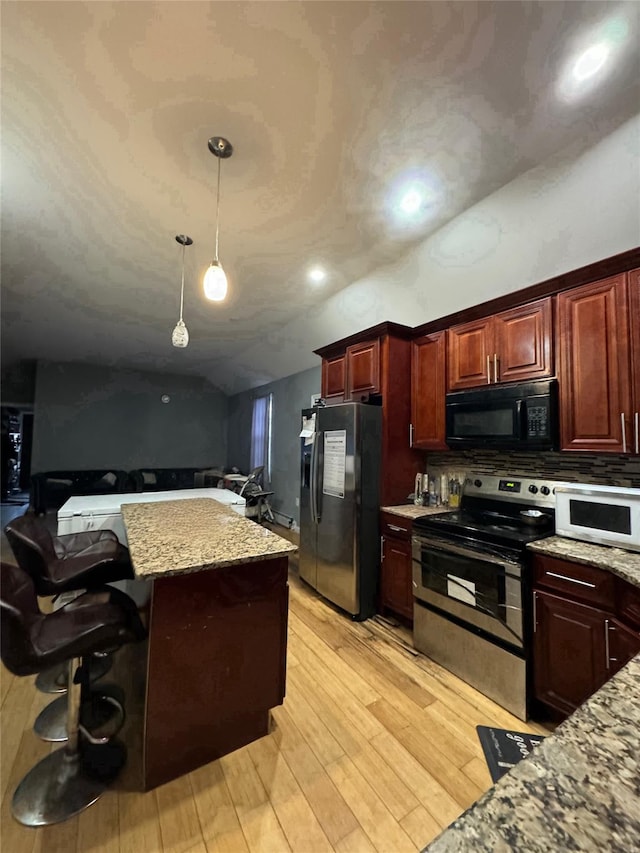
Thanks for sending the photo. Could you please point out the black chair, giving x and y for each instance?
(58, 565)
(252, 491)
(62, 784)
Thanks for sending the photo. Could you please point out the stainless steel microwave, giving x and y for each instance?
(507, 417)
(607, 515)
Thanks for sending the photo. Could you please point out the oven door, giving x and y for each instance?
(474, 586)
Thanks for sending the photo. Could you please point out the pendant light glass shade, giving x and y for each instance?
(180, 335)
(215, 282)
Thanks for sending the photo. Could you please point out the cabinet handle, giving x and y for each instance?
(571, 580)
(398, 529)
(381, 548)
(606, 643)
(410, 435)
(624, 433)
(535, 612)
(488, 370)
(637, 430)
(495, 367)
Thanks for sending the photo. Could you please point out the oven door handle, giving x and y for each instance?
(451, 548)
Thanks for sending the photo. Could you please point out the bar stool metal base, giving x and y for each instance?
(54, 679)
(101, 715)
(55, 790)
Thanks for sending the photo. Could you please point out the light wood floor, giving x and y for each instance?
(374, 749)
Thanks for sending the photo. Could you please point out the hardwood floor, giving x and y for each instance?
(374, 749)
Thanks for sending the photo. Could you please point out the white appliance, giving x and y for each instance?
(102, 512)
(607, 515)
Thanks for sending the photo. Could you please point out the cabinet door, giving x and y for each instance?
(623, 644)
(363, 370)
(595, 381)
(334, 378)
(569, 660)
(523, 342)
(428, 388)
(470, 351)
(634, 315)
(395, 584)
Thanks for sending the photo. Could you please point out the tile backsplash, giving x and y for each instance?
(608, 470)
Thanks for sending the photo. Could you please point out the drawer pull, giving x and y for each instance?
(571, 580)
(396, 528)
(606, 644)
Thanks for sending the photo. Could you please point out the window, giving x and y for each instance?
(261, 435)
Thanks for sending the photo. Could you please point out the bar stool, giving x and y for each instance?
(61, 785)
(58, 565)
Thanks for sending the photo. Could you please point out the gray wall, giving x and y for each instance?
(290, 395)
(87, 416)
(19, 384)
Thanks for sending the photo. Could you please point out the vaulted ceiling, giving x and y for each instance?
(106, 113)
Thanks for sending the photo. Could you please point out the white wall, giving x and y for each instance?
(577, 208)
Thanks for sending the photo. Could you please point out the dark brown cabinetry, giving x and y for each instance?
(513, 345)
(585, 629)
(395, 561)
(428, 389)
(376, 363)
(599, 365)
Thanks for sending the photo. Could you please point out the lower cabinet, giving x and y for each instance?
(577, 646)
(396, 590)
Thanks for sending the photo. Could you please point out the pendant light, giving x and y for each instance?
(215, 279)
(180, 335)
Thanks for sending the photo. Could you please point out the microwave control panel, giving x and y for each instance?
(537, 421)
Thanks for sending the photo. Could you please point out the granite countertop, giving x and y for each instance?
(579, 790)
(181, 536)
(625, 564)
(413, 511)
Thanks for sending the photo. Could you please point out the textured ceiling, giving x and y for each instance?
(106, 113)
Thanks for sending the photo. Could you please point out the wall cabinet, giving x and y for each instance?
(428, 389)
(599, 365)
(396, 590)
(352, 375)
(585, 629)
(513, 345)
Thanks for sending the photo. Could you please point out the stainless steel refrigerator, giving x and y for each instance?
(339, 504)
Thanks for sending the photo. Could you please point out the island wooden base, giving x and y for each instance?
(216, 664)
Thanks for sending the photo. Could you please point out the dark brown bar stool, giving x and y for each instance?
(59, 564)
(61, 785)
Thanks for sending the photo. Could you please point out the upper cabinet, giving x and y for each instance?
(428, 388)
(352, 375)
(599, 365)
(513, 345)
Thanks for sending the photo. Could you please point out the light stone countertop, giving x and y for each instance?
(618, 561)
(579, 790)
(413, 511)
(182, 536)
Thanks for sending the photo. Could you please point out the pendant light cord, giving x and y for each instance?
(182, 288)
(218, 211)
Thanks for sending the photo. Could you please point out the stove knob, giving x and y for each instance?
(545, 490)
(533, 489)
(477, 483)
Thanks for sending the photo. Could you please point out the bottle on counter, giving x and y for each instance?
(454, 492)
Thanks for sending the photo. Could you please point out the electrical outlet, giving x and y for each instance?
(297, 501)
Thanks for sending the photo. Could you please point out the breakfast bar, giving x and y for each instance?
(214, 664)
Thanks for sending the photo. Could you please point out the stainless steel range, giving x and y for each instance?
(470, 583)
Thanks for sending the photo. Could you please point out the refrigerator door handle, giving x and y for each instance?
(314, 476)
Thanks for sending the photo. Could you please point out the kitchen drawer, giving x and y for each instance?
(395, 525)
(575, 580)
(628, 603)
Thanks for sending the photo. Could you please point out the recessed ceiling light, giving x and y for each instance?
(412, 202)
(584, 71)
(317, 275)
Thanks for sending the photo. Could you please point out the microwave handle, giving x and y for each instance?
(520, 410)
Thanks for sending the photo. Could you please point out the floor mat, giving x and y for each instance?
(503, 749)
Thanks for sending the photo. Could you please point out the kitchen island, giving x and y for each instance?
(214, 663)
